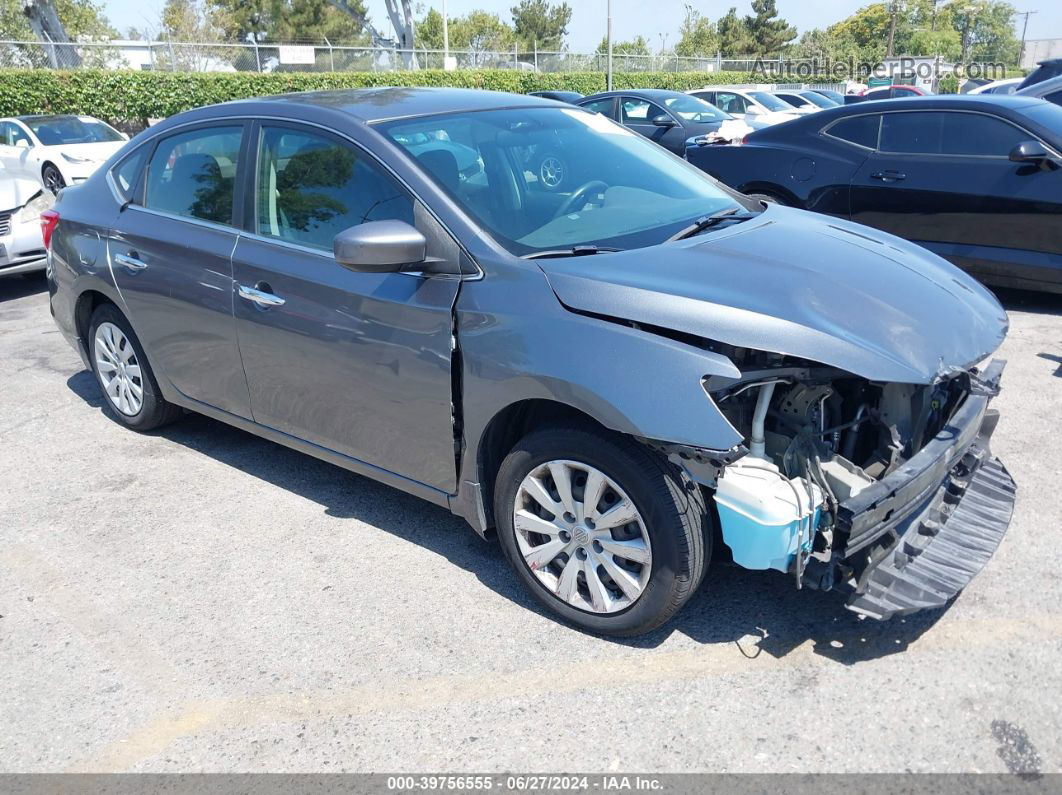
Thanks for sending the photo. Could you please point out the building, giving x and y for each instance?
(1037, 50)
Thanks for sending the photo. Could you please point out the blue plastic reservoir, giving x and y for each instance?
(764, 515)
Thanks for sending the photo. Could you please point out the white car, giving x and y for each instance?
(1008, 86)
(805, 102)
(21, 203)
(56, 150)
(1050, 89)
(747, 104)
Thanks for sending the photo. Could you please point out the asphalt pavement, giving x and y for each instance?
(199, 599)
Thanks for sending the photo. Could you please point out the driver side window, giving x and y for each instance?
(639, 111)
(311, 187)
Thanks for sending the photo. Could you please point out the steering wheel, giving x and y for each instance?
(579, 197)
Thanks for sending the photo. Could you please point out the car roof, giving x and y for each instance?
(396, 102)
(650, 93)
(1048, 86)
(49, 116)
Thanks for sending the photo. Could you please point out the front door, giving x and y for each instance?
(358, 363)
(170, 253)
(943, 179)
(14, 151)
(637, 114)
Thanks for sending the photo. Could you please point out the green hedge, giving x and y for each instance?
(131, 97)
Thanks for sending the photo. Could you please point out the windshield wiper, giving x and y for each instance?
(708, 221)
(574, 251)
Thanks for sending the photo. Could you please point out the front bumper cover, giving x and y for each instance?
(917, 537)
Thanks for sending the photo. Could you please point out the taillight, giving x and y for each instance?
(49, 219)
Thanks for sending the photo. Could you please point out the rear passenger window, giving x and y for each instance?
(858, 130)
(310, 188)
(949, 133)
(194, 174)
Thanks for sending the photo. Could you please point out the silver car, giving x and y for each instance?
(621, 380)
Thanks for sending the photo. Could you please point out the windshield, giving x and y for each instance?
(693, 109)
(548, 179)
(770, 101)
(818, 99)
(72, 130)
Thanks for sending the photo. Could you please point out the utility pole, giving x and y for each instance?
(1024, 30)
(608, 75)
(446, 37)
(893, 11)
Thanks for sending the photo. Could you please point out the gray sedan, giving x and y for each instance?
(620, 380)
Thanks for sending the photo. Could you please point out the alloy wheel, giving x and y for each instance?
(582, 537)
(53, 180)
(119, 369)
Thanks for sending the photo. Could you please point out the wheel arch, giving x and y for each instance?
(507, 427)
(88, 301)
(772, 189)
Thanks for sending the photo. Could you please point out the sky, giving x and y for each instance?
(654, 19)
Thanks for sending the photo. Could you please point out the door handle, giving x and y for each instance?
(262, 298)
(888, 176)
(130, 261)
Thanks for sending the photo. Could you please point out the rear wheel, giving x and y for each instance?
(130, 392)
(607, 534)
(52, 178)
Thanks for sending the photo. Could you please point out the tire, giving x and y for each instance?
(143, 412)
(767, 198)
(673, 521)
(52, 178)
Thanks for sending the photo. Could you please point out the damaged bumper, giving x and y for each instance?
(915, 539)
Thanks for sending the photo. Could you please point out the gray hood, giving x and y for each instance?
(802, 284)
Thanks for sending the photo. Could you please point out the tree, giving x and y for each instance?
(478, 31)
(768, 32)
(541, 25)
(697, 35)
(284, 20)
(638, 46)
(57, 22)
(734, 37)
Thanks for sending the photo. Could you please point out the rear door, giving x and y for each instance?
(170, 254)
(358, 363)
(943, 179)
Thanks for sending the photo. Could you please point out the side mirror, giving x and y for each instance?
(753, 110)
(663, 121)
(1032, 152)
(22, 143)
(380, 247)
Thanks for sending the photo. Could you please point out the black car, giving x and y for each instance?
(571, 97)
(975, 179)
(668, 118)
(1045, 70)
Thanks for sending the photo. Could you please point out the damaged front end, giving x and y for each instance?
(887, 491)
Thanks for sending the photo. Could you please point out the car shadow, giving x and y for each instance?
(14, 287)
(759, 612)
(1029, 301)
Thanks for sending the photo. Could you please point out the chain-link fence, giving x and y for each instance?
(247, 57)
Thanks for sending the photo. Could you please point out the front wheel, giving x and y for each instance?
(52, 178)
(604, 532)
